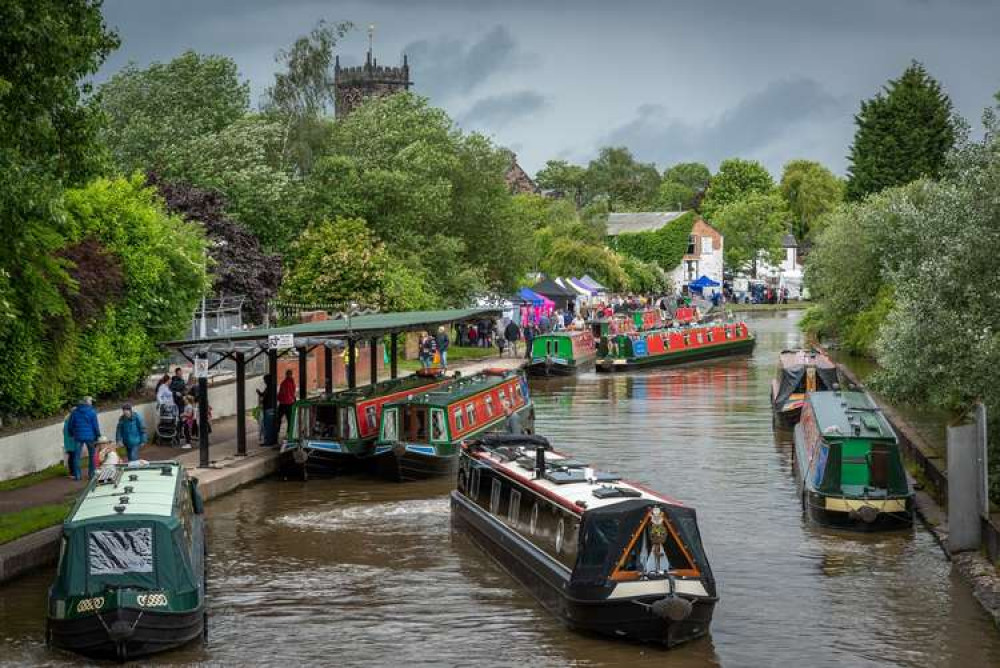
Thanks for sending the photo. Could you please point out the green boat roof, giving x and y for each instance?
(152, 493)
(458, 390)
(849, 415)
(413, 381)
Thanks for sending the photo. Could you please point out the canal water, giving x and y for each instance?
(356, 572)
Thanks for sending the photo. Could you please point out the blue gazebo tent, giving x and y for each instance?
(532, 297)
(702, 282)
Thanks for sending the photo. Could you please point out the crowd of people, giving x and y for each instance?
(82, 432)
(177, 399)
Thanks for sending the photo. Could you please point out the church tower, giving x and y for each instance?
(355, 84)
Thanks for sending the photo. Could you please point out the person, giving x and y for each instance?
(131, 432)
(178, 386)
(71, 448)
(529, 336)
(513, 334)
(163, 393)
(473, 335)
(578, 323)
(85, 430)
(188, 418)
(265, 399)
(513, 420)
(286, 399)
(107, 454)
(426, 350)
(442, 345)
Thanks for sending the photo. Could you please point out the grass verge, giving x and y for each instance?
(30, 520)
(54, 471)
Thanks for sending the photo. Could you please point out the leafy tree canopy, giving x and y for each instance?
(664, 247)
(151, 111)
(674, 196)
(735, 180)
(617, 177)
(694, 175)
(753, 228)
(564, 177)
(903, 133)
(811, 191)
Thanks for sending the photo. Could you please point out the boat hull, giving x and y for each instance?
(730, 348)
(312, 462)
(150, 632)
(628, 618)
(546, 368)
(402, 465)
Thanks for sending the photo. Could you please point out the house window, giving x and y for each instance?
(495, 497)
(514, 508)
(691, 270)
(691, 242)
(706, 245)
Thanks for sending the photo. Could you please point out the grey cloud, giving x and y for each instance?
(748, 129)
(498, 111)
(448, 67)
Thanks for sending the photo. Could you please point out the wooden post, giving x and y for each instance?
(328, 368)
(203, 460)
(393, 356)
(373, 360)
(241, 404)
(303, 385)
(352, 358)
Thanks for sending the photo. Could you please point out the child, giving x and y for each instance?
(107, 454)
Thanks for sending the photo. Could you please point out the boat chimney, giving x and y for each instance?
(539, 463)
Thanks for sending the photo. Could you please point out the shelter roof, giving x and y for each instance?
(648, 221)
(355, 327)
(549, 288)
(589, 282)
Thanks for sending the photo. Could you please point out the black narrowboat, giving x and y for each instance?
(601, 554)
(799, 373)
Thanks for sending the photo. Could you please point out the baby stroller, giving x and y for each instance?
(167, 425)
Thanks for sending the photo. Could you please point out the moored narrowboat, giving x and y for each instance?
(850, 467)
(601, 554)
(562, 353)
(800, 372)
(639, 350)
(131, 575)
(420, 435)
(337, 432)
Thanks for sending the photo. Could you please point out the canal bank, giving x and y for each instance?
(928, 459)
(227, 472)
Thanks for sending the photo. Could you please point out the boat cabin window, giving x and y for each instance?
(503, 398)
(533, 526)
(517, 390)
(514, 508)
(371, 417)
(459, 419)
(120, 551)
(347, 426)
(489, 405)
(495, 497)
(438, 431)
(710, 337)
(654, 550)
(390, 424)
(560, 534)
(325, 421)
(415, 423)
(687, 339)
(474, 483)
(470, 413)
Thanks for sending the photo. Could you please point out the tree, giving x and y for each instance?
(903, 133)
(735, 180)
(674, 196)
(563, 177)
(151, 110)
(244, 162)
(811, 191)
(617, 177)
(304, 93)
(694, 175)
(238, 265)
(753, 228)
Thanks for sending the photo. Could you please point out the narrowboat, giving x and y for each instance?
(562, 353)
(420, 436)
(800, 372)
(336, 432)
(603, 555)
(639, 350)
(851, 472)
(131, 575)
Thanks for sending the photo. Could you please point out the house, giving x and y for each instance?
(704, 251)
(787, 274)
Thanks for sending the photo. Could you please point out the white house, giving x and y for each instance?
(705, 245)
(788, 273)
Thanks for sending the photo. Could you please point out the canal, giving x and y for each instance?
(353, 572)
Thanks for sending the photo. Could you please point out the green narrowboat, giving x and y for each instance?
(679, 345)
(561, 353)
(131, 575)
(420, 436)
(851, 472)
(336, 432)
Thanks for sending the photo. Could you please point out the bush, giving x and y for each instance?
(664, 247)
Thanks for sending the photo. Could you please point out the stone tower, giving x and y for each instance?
(355, 84)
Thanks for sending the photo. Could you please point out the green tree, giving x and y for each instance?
(564, 177)
(244, 162)
(694, 175)
(150, 111)
(735, 180)
(674, 196)
(903, 133)
(811, 191)
(625, 183)
(303, 93)
(753, 228)
(664, 247)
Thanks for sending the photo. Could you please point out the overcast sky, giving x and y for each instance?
(674, 81)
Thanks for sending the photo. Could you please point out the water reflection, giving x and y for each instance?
(359, 572)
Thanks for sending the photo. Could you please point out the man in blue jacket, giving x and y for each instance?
(131, 432)
(85, 430)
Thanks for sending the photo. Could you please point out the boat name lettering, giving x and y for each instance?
(151, 600)
(90, 604)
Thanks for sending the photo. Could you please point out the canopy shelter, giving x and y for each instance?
(345, 330)
(589, 282)
(557, 293)
(533, 298)
(703, 282)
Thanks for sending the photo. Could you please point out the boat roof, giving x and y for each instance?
(461, 388)
(564, 480)
(413, 381)
(849, 415)
(802, 357)
(153, 486)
